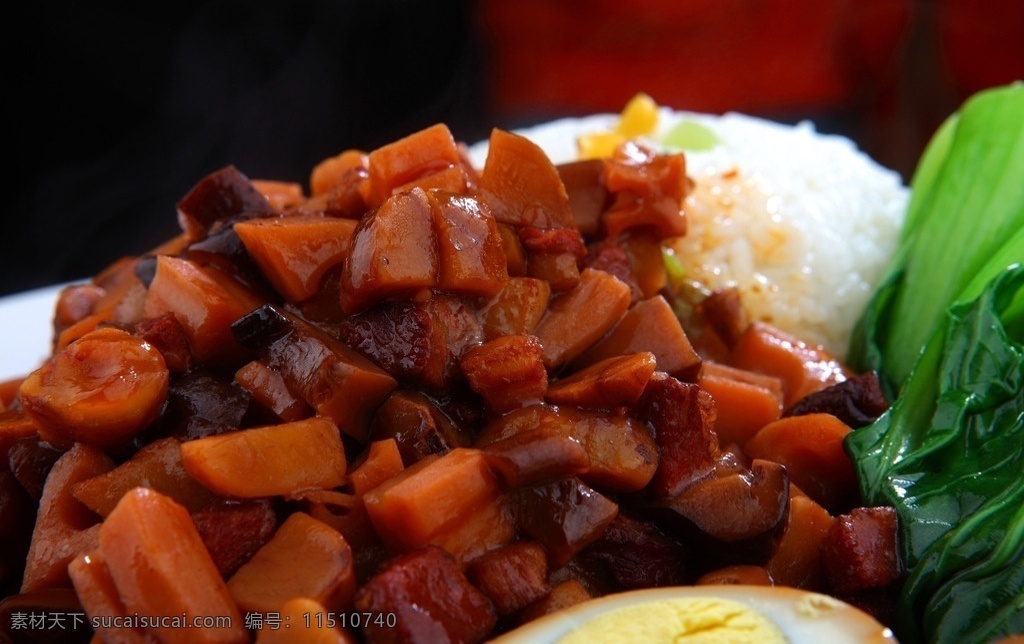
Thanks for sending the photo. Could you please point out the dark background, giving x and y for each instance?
(118, 111)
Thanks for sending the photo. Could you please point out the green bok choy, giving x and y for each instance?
(945, 331)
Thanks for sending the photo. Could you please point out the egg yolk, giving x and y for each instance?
(686, 619)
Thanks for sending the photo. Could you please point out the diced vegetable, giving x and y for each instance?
(811, 448)
(517, 308)
(559, 270)
(515, 254)
(295, 253)
(802, 368)
(416, 506)
(470, 256)
(613, 382)
(155, 580)
(795, 561)
(746, 401)
(281, 195)
(331, 171)
(646, 263)
(203, 304)
(347, 512)
(578, 318)
(412, 161)
(157, 466)
(393, 252)
(487, 529)
(522, 185)
(382, 461)
(583, 181)
(98, 593)
(649, 325)
(64, 527)
(305, 558)
(267, 461)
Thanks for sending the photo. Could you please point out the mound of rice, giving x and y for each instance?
(802, 223)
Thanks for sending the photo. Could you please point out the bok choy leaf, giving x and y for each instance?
(949, 456)
(966, 205)
(945, 331)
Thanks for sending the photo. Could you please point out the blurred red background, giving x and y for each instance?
(117, 111)
(885, 72)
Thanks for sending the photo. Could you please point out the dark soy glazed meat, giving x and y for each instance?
(468, 391)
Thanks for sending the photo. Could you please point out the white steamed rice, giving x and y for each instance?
(802, 223)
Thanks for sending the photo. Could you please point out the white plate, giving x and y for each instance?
(26, 330)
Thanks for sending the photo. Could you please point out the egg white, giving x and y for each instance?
(801, 615)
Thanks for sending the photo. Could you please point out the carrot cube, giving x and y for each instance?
(268, 461)
(417, 505)
(304, 558)
(802, 368)
(746, 401)
(159, 581)
(418, 155)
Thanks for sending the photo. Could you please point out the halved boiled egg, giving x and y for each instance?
(727, 614)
